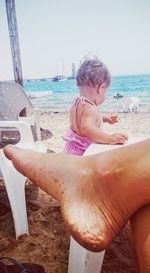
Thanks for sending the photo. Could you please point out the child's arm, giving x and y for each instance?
(110, 119)
(91, 131)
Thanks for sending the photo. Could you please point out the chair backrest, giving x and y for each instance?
(130, 101)
(13, 100)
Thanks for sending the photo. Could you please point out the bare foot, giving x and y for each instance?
(93, 191)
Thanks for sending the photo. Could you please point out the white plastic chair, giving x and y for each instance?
(130, 104)
(14, 181)
(80, 259)
(13, 101)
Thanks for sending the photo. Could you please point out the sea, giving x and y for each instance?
(62, 93)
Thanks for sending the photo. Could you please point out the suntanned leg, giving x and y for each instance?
(133, 248)
(140, 232)
(97, 193)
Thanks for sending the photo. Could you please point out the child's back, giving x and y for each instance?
(76, 141)
(80, 107)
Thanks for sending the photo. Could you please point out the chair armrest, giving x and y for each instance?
(26, 137)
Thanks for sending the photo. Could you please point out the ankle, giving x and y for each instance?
(107, 169)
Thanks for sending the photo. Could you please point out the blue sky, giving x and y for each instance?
(53, 32)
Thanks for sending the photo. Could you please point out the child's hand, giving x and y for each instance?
(118, 138)
(113, 119)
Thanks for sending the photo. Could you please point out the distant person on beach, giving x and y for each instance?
(86, 123)
(97, 194)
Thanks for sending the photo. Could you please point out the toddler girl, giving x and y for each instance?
(86, 123)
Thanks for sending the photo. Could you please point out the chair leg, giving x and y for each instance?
(82, 260)
(15, 186)
(37, 123)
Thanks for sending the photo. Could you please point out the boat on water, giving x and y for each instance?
(43, 80)
(71, 78)
(118, 96)
(34, 95)
(59, 78)
(60, 74)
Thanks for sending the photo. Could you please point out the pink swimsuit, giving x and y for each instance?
(76, 144)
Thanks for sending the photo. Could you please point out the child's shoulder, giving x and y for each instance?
(90, 109)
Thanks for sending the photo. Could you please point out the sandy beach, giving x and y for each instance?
(48, 242)
(132, 124)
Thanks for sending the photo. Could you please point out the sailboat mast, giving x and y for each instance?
(62, 66)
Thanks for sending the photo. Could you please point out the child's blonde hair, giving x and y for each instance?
(93, 72)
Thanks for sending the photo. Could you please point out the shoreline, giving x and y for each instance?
(101, 111)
